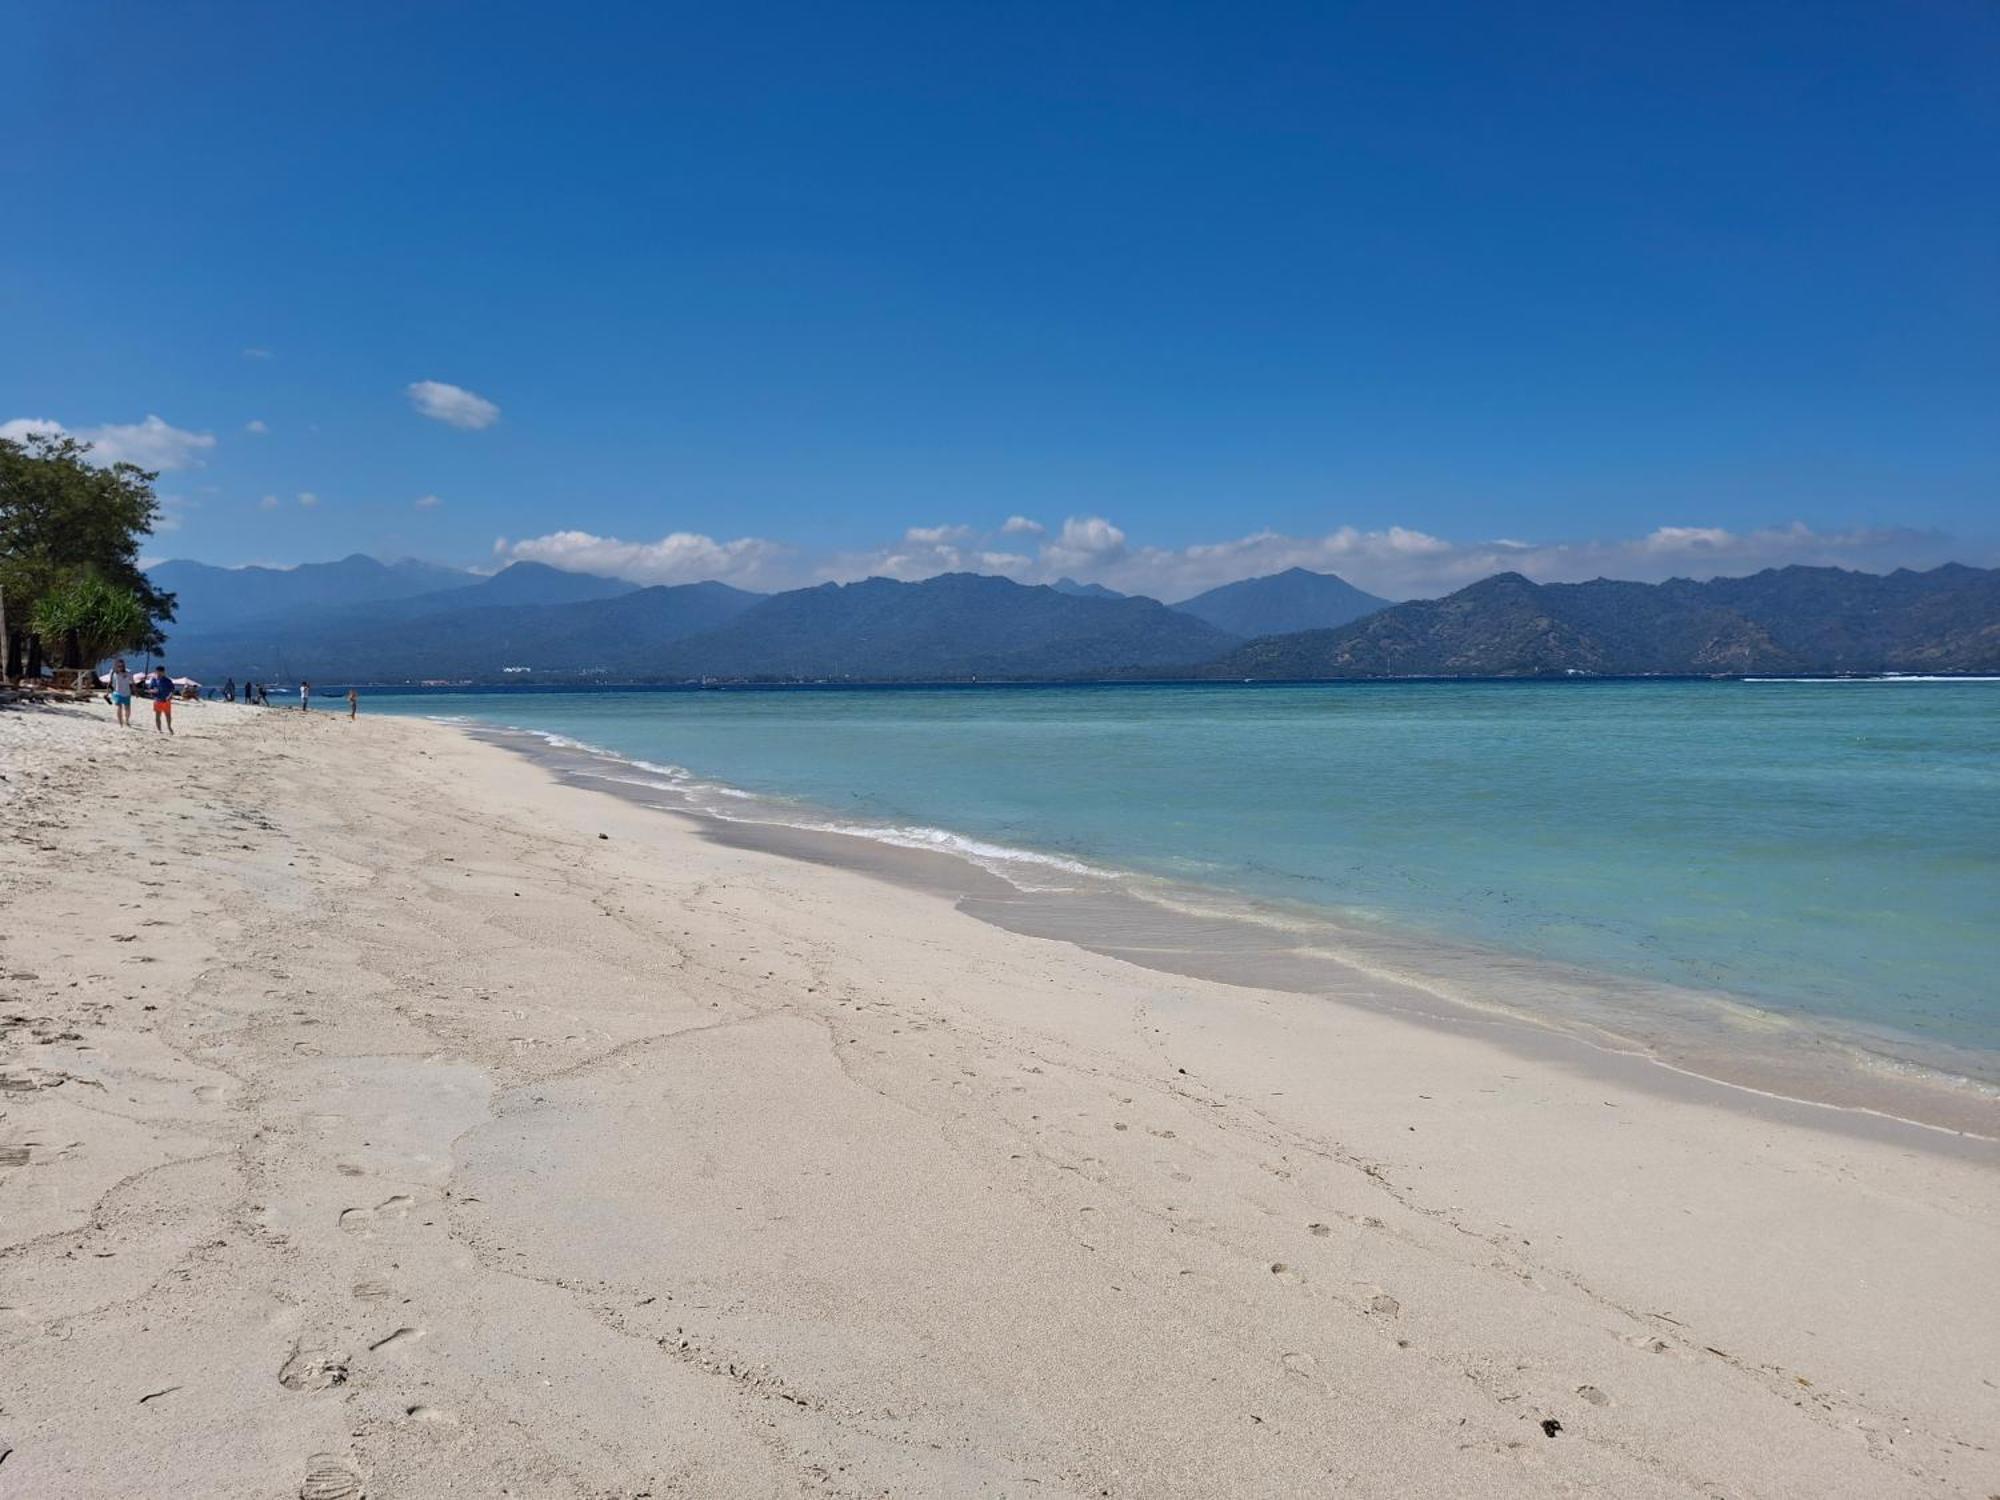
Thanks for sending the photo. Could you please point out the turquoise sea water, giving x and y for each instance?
(1826, 849)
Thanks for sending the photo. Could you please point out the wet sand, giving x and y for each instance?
(381, 1114)
(1654, 1036)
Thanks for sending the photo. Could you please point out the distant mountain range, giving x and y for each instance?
(531, 583)
(360, 619)
(212, 597)
(463, 635)
(1085, 590)
(1281, 603)
(957, 625)
(960, 625)
(1783, 620)
(367, 621)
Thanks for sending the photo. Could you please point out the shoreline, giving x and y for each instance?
(1697, 1042)
(378, 1108)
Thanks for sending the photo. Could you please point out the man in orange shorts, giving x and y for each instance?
(160, 688)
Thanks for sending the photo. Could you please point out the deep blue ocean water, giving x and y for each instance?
(1825, 849)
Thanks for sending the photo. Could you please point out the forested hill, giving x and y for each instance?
(952, 627)
(958, 625)
(412, 640)
(1296, 599)
(538, 623)
(1783, 620)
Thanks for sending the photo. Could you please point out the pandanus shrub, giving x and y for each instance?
(86, 619)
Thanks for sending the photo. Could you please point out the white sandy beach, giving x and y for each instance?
(380, 1116)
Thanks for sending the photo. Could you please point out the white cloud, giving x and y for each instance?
(428, 502)
(1092, 536)
(256, 353)
(1687, 539)
(307, 499)
(678, 557)
(1084, 543)
(256, 425)
(151, 444)
(269, 502)
(1021, 526)
(453, 405)
(1398, 562)
(1395, 561)
(924, 552)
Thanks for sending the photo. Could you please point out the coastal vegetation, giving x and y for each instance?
(88, 619)
(70, 532)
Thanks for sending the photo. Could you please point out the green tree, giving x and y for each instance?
(87, 619)
(63, 518)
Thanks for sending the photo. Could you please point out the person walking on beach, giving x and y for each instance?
(305, 697)
(353, 703)
(121, 693)
(160, 688)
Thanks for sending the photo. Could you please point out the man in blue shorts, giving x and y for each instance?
(121, 693)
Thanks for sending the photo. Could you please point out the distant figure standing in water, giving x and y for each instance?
(353, 702)
(305, 697)
(229, 690)
(160, 688)
(121, 693)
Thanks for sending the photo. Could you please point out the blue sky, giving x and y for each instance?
(775, 292)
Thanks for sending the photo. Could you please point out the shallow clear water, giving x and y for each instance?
(1828, 849)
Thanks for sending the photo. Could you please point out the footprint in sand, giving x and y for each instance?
(312, 1370)
(329, 1478)
(372, 1289)
(1384, 1304)
(1593, 1395)
(1646, 1341)
(363, 1220)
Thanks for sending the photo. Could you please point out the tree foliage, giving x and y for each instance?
(88, 619)
(65, 520)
